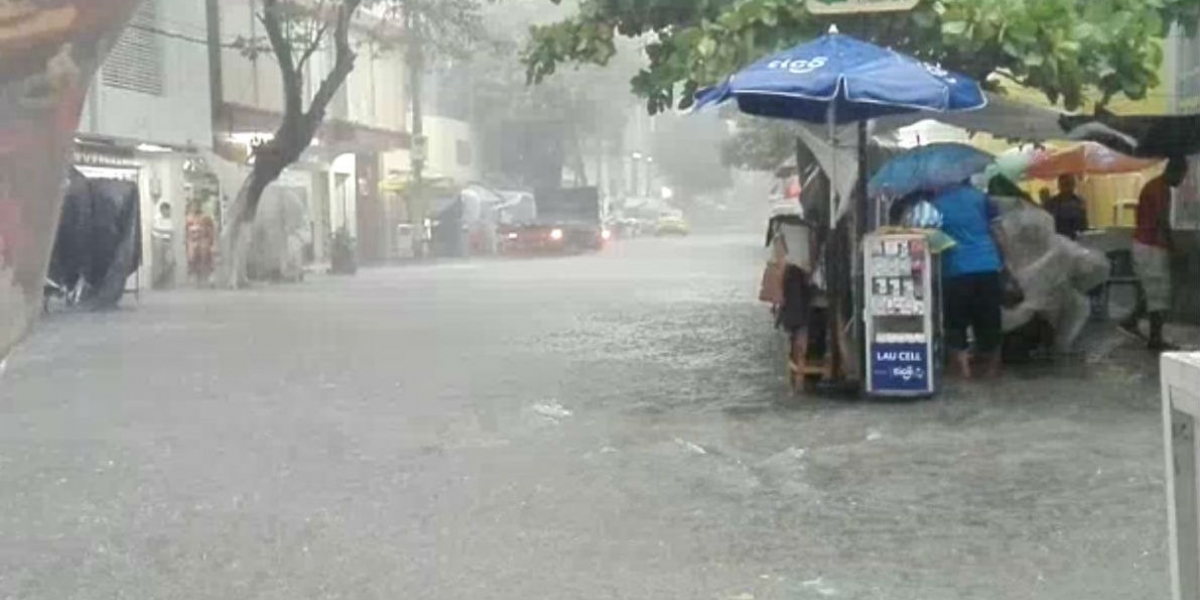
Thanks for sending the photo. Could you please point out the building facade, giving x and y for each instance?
(148, 120)
(178, 108)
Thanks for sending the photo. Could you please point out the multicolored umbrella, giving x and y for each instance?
(1088, 158)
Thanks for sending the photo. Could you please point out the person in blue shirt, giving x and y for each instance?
(972, 288)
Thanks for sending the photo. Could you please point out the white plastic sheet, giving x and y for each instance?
(1055, 273)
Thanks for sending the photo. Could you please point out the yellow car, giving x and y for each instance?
(671, 224)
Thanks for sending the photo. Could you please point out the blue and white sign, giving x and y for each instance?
(900, 368)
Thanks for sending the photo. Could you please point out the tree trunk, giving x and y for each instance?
(234, 239)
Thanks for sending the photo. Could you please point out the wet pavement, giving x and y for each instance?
(608, 426)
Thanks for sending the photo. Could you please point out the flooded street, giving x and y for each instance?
(603, 426)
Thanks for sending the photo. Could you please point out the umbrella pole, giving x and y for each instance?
(861, 216)
(833, 263)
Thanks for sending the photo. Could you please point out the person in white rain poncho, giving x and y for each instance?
(1054, 273)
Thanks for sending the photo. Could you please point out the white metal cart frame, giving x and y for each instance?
(1180, 373)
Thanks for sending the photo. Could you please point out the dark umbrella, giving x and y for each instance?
(1143, 136)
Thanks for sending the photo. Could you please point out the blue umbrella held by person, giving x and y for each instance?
(928, 168)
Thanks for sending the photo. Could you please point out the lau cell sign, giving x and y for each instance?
(836, 7)
(899, 368)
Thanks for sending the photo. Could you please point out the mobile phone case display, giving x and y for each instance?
(903, 315)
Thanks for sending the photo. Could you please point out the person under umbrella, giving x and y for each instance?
(1068, 209)
(972, 287)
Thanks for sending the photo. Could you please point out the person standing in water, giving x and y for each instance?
(1067, 208)
(972, 287)
(1152, 255)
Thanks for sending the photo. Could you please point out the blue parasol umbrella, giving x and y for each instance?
(928, 168)
(840, 79)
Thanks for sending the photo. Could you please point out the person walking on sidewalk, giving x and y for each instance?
(1152, 254)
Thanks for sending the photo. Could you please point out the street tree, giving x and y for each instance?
(1066, 49)
(296, 30)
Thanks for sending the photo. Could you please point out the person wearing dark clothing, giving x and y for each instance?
(972, 285)
(1152, 254)
(1068, 209)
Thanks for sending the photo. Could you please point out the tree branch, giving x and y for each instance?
(343, 64)
(272, 20)
(314, 45)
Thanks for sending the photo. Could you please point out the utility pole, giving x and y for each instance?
(418, 150)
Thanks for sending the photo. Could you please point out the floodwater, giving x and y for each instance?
(603, 426)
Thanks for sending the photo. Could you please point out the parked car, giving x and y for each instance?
(672, 223)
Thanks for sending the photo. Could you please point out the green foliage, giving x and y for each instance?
(1064, 48)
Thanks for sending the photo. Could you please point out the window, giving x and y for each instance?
(136, 60)
(462, 153)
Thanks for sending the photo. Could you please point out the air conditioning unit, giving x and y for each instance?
(1180, 374)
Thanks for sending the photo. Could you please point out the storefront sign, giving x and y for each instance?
(899, 368)
(837, 7)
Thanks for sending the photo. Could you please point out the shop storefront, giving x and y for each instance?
(172, 184)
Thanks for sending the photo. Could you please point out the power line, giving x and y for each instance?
(183, 37)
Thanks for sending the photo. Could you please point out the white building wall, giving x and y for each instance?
(445, 137)
(248, 80)
(343, 193)
(451, 149)
(181, 115)
(375, 90)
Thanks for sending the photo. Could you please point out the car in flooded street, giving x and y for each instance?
(565, 221)
(672, 223)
